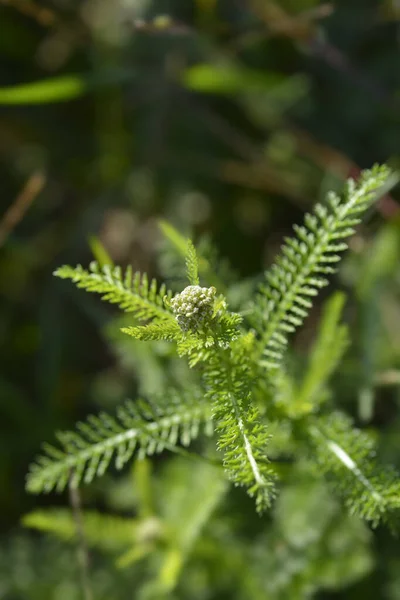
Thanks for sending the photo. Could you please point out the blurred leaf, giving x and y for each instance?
(332, 340)
(300, 515)
(142, 471)
(189, 498)
(56, 89)
(99, 252)
(381, 260)
(178, 240)
(228, 79)
(375, 275)
(101, 531)
(60, 89)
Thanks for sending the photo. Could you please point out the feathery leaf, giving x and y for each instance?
(346, 455)
(192, 264)
(88, 452)
(165, 330)
(243, 437)
(299, 272)
(131, 291)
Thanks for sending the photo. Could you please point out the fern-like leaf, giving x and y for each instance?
(346, 456)
(199, 347)
(242, 436)
(192, 264)
(244, 440)
(299, 273)
(169, 331)
(131, 291)
(88, 452)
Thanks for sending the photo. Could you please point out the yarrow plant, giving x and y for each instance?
(243, 392)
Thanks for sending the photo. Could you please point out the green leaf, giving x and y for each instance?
(178, 241)
(87, 452)
(192, 264)
(300, 271)
(328, 349)
(63, 88)
(228, 79)
(346, 456)
(242, 436)
(169, 331)
(209, 268)
(107, 532)
(189, 497)
(56, 89)
(131, 291)
(99, 252)
(380, 260)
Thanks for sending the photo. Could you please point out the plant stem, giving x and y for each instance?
(81, 550)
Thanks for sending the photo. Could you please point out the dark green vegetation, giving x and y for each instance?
(228, 120)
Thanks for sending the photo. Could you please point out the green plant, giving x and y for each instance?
(274, 424)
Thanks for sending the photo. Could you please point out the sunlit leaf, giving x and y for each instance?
(60, 89)
(55, 89)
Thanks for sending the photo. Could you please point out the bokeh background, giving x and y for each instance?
(228, 118)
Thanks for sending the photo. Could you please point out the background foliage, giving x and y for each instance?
(228, 119)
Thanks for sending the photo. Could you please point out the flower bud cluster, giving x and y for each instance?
(194, 306)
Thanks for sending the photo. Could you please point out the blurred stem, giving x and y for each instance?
(82, 550)
(44, 16)
(21, 204)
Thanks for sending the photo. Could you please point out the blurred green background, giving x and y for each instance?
(228, 118)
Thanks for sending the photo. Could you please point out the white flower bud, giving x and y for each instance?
(193, 307)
